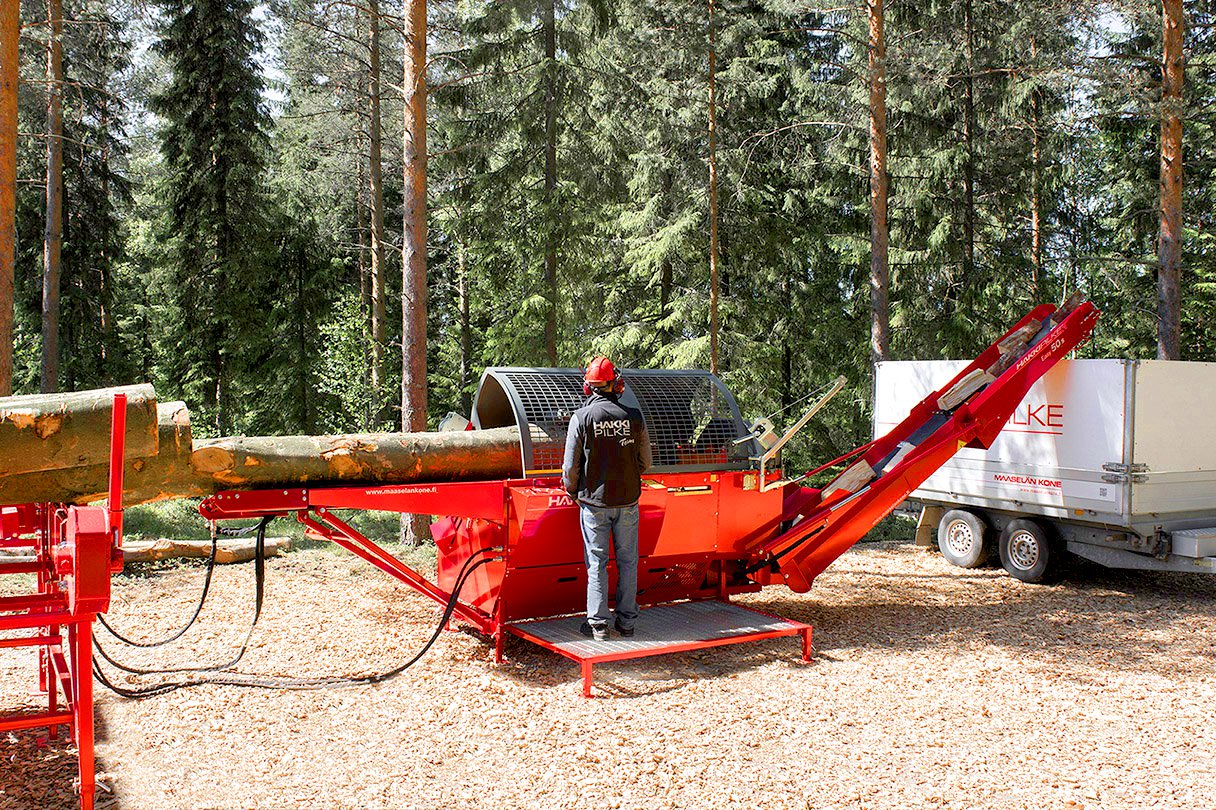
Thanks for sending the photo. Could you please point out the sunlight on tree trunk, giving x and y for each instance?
(713, 195)
(880, 328)
(53, 235)
(1169, 242)
(10, 27)
(413, 252)
(376, 191)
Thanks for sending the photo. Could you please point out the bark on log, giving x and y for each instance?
(152, 478)
(373, 458)
(226, 551)
(59, 431)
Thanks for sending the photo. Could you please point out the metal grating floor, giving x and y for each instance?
(660, 629)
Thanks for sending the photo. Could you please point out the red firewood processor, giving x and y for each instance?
(717, 518)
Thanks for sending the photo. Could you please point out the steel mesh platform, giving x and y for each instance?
(661, 630)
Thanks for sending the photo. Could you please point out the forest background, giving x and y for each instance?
(216, 195)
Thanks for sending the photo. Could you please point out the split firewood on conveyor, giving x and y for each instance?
(1012, 348)
(54, 449)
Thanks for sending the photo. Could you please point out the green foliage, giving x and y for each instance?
(216, 211)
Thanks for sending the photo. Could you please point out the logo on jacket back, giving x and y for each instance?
(613, 429)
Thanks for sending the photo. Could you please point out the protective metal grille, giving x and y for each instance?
(548, 399)
(690, 416)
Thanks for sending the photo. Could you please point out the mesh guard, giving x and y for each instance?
(691, 418)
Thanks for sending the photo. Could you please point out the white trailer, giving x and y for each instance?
(1111, 460)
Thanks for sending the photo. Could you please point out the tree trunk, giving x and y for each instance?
(713, 194)
(365, 285)
(53, 235)
(162, 475)
(550, 204)
(466, 334)
(371, 458)
(880, 325)
(968, 148)
(413, 259)
(376, 190)
(1169, 241)
(57, 431)
(1036, 185)
(10, 27)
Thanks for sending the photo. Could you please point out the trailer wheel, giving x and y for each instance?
(1027, 551)
(960, 538)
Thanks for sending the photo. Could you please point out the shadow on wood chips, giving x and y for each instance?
(38, 773)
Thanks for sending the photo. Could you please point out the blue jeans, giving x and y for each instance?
(598, 525)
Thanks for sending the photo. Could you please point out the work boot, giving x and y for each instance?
(591, 631)
(626, 632)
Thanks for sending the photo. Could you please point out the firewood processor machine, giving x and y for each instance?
(717, 517)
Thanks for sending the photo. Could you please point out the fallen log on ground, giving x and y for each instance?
(60, 431)
(244, 462)
(162, 476)
(226, 550)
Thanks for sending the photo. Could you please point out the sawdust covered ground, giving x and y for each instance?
(931, 687)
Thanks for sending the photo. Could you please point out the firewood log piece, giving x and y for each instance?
(59, 431)
(1018, 338)
(242, 462)
(852, 479)
(167, 474)
(963, 389)
(1075, 300)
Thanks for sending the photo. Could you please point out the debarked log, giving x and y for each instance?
(247, 462)
(167, 474)
(60, 431)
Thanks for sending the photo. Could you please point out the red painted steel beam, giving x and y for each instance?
(16, 722)
(30, 641)
(472, 499)
(22, 567)
(45, 601)
(27, 621)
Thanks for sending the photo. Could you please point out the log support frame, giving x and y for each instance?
(76, 549)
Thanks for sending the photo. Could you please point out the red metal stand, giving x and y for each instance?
(663, 630)
(74, 550)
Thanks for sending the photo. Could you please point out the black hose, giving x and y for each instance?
(276, 682)
(259, 575)
(202, 599)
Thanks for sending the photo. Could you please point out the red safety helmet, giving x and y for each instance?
(601, 372)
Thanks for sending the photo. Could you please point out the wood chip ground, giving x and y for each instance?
(931, 687)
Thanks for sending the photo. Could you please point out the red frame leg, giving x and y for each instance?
(806, 645)
(586, 679)
(82, 679)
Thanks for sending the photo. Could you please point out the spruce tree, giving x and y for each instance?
(214, 146)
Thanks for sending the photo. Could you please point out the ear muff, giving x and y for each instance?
(618, 386)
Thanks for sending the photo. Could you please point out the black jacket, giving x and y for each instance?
(607, 450)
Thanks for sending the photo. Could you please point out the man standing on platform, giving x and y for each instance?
(607, 450)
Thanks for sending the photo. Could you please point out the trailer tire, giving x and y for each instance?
(962, 538)
(1028, 552)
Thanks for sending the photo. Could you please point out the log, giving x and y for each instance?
(852, 479)
(244, 462)
(963, 389)
(227, 551)
(167, 474)
(58, 431)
